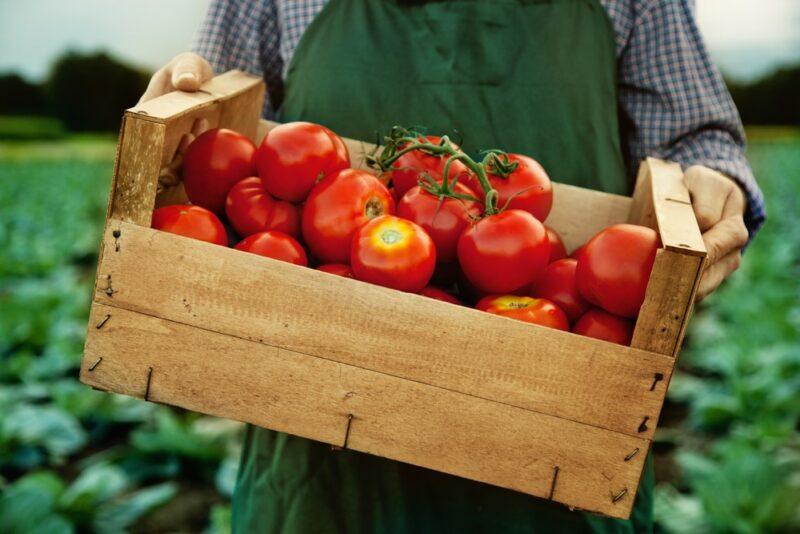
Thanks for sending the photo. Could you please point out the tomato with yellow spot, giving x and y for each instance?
(531, 310)
(393, 252)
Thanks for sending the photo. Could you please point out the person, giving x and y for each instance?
(587, 87)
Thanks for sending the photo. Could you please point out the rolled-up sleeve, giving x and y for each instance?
(674, 103)
(244, 35)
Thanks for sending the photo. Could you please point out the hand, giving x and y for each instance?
(719, 207)
(186, 72)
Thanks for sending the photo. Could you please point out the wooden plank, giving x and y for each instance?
(597, 209)
(173, 105)
(137, 169)
(668, 302)
(410, 336)
(662, 201)
(391, 417)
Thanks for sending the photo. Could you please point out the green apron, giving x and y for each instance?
(536, 77)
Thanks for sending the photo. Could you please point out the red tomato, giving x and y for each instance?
(337, 207)
(410, 167)
(190, 221)
(393, 252)
(444, 219)
(295, 156)
(615, 266)
(557, 249)
(527, 188)
(504, 252)
(213, 163)
(558, 284)
(528, 309)
(276, 245)
(285, 218)
(439, 294)
(600, 324)
(250, 210)
(339, 269)
(576, 254)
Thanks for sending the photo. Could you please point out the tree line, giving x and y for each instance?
(88, 92)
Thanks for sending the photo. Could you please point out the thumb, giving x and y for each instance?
(189, 72)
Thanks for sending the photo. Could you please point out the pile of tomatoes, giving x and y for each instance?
(430, 220)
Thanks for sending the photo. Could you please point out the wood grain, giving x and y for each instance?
(410, 336)
(668, 302)
(137, 168)
(392, 417)
(662, 202)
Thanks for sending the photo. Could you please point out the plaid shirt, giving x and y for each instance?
(673, 100)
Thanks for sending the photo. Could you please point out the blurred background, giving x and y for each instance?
(73, 459)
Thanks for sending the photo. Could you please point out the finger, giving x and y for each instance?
(189, 71)
(158, 86)
(199, 126)
(714, 275)
(726, 236)
(709, 191)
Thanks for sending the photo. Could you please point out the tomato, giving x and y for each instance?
(250, 210)
(576, 254)
(557, 249)
(276, 245)
(528, 309)
(285, 218)
(190, 221)
(439, 294)
(410, 167)
(339, 269)
(504, 252)
(600, 324)
(295, 156)
(213, 163)
(443, 218)
(615, 266)
(393, 252)
(558, 284)
(527, 188)
(337, 207)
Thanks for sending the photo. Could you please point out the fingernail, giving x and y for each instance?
(187, 76)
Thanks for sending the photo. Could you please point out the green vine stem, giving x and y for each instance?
(402, 141)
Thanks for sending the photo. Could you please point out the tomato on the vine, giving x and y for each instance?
(526, 188)
(614, 268)
(276, 245)
(600, 324)
(250, 210)
(295, 156)
(414, 165)
(444, 218)
(339, 269)
(393, 252)
(557, 248)
(439, 294)
(504, 252)
(213, 163)
(558, 284)
(190, 221)
(528, 309)
(337, 207)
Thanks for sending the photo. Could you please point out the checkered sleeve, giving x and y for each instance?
(674, 102)
(244, 35)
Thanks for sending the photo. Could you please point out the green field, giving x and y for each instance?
(73, 459)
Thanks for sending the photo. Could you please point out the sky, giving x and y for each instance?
(747, 38)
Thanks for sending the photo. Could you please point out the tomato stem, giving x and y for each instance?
(401, 137)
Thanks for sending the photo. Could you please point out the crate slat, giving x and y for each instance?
(410, 336)
(392, 417)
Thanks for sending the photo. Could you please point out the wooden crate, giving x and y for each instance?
(236, 335)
